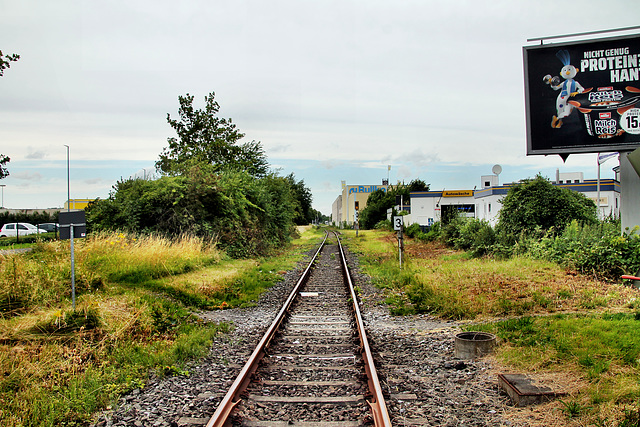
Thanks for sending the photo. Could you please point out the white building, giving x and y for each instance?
(485, 203)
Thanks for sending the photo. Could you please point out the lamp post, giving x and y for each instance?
(2, 185)
(73, 272)
(68, 187)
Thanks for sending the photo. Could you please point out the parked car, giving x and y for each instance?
(20, 228)
(49, 227)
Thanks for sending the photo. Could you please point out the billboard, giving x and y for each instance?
(583, 97)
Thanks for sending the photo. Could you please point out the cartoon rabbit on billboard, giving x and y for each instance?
(568, 88)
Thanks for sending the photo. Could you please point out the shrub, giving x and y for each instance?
(385, 224)
(431, 235)
(538, 203)
(413, 230)
(597, 249)
(247, 215)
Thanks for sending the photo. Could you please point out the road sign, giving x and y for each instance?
(397, 223)
(75, 218)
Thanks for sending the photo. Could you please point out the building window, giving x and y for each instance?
(489, 207)
(487, 184)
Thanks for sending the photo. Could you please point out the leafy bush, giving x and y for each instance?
(597, 249)
(385, 224)
(469, 234)
(413, 230)
(450, 232)
(432, 234)
(538, 203)
(247, 215)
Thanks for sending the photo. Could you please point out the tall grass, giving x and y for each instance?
(453, 285)
(135, 315)
(121, 257)
(559, 323)
(43, 276)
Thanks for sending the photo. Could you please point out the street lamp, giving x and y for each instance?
(68, 187)
(73, 269)
(2, 185)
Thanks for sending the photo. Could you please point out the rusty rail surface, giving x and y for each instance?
(232, 398)
(378, 408)
(377, 403)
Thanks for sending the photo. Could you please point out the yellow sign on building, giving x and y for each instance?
(457, 193)
(77, 203)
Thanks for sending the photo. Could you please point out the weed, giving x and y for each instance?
(172, 371)
(572, 409)
(631, 418)
(70, 321)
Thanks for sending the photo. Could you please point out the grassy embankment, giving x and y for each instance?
(136, 299)
(577, 333)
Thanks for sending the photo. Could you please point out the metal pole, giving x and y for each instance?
(400, 246)
(73, 270)
(68, 185)
(598, 186)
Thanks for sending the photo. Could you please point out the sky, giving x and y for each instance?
(334, 90)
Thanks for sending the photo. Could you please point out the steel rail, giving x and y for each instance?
(377, 403)
(232, 398)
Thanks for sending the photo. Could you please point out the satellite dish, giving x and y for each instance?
(497, 169)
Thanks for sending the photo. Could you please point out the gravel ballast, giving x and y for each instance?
(423, 382)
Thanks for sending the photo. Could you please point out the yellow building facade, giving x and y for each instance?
(344, 207)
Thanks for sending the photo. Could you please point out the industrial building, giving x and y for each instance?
(352, 196)
(485, 203)
(481, 202)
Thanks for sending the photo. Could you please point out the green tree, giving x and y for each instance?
(376, 210)
(205, 138)
(4, 172)
(418, 185)
(317, 215)
(537, 203)
(380, 201)
(5, 61)
(304, 214)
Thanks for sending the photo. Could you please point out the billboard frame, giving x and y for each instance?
(542, 137)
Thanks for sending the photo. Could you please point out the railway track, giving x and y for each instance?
(313, 366)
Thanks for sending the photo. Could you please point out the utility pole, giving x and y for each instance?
(73, 269)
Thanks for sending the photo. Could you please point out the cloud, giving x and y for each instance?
(418, 158)
(95, 181)
(27, 176)
(280, 148)
(35, 155)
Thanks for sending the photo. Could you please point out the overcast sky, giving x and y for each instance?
(334, 90)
